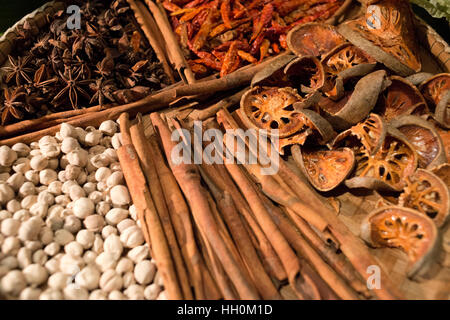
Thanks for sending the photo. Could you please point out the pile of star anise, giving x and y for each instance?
(108, 61)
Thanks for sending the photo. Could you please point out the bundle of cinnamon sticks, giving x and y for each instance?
(224, 231)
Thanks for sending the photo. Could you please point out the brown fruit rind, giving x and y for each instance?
(406, 229)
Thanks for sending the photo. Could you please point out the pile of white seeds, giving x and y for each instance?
(68, 229)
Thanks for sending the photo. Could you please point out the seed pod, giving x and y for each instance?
(88, 278)
(16, 181)
(21, 165)
(113, 246)
(108, 127)
(30, 294)
(132, 237)
(74, 249)
(51, 294)
(102, 174)
(29, 230)
(67, 130)
(138, 253)
(13, 282)
(124, 265)
(63, 237)
(6, 193)
(69, 144)
(38, 162)
(115, 215)
(85, 238)
(35, 274)
(74, 292)
(94, 222)
(52, 249)
(7, 156)
(21, 149)
(10, 227)
(135, 292)
(58, 281)
(92, 138)
(24, 257)
(47, 176)
(72, 172)
(32, 176)
(83, 207)
(78, 158)
(110, 281)
(120, 195)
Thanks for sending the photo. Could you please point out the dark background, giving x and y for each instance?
(13, 10)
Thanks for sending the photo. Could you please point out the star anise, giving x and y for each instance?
(104, 90)
(12, 104)
(72, 89)
(18, 70)
(42, 45)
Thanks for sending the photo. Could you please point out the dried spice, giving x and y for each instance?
(437, 92)
(403, 228)
(63, 69)
(428, 194)
(425, 139)
(224, 35)
(326, 169)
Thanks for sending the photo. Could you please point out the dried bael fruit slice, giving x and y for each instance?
(406, 229)
(437, 92)
(320, 128)
(387, 33)
(401, 98)
(273, 75)
(271, 108)
(425, 139)
(360, 102)
(314, 126)
(325, 169)
(443, 172)
(387, 168)
(342, 63)
(428, 194)
(370, 134)
(313, 39)
(306, 74)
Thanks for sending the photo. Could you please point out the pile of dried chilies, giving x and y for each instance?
(224, 35)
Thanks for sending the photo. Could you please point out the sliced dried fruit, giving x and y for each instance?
(437, 92)
(387, 33)
(321, 128)
(271, 108)
(273, 75)
(342, 63)
(306, 74)
(401, 98)
(360, 102)
(298, 138)
(313, 39)
(443, 172)
(428, 194)
(406, 229)
(325, 169)
(370, 134)
(387, 168)
(425, 139)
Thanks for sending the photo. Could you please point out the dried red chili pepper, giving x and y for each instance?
(225, 11)
(209, 60)
(247, 56)
(170, 6)
(229, 62)
(202, 34)
(263, 20)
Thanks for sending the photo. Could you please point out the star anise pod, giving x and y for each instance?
(72, 89)
(13, 104)
(42, 45)
(104, 90)
(18, 70)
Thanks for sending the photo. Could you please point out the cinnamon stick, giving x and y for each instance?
(148, 26)
(226, 205)
(189, 181)
(180, 215)
(144, 151)
(146, 210)
(172, 43)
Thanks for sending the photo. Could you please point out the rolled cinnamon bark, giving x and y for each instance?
(144, 151)
(189, 181)
(147, 212)
(204, 285)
